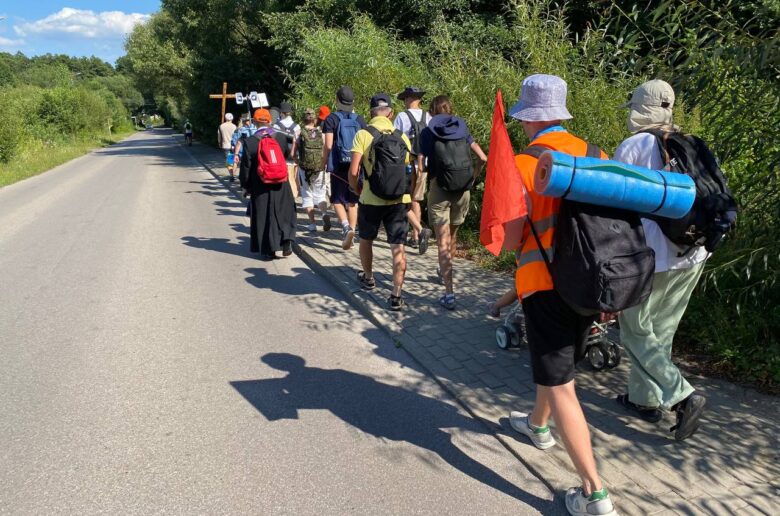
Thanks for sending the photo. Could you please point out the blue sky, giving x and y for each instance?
(73, 27)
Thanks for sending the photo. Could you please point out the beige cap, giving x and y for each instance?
(652, 93)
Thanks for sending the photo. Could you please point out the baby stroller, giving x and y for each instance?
(602, 353)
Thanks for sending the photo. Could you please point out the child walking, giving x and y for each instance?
(312, 180)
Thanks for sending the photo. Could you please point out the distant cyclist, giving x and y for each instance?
(188, 133)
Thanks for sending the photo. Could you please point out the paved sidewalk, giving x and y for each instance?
(732, 465)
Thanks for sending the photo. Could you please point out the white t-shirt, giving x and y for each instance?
(642, 150)
(287, 122)
(403, 124)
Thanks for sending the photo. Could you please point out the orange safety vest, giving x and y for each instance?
(532, 274)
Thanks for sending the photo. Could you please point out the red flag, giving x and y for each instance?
(503, 205)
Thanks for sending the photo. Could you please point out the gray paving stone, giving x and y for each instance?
(649, 471)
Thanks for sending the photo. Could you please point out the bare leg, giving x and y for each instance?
(416, 211)
(310, 213)
(561, 401)
(341, 213)
(444, 243)
(352, 214)
(367, 257)
(414, 220)
(323, 206)
(399, 266)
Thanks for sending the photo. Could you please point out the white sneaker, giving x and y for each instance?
(598, 504)
(311, 228)
(541, 437)
(347, 236)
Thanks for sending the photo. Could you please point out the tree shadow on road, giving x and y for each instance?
(376, 408)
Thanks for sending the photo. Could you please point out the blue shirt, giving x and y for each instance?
(551, 129)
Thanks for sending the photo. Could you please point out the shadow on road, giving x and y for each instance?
(379, 409)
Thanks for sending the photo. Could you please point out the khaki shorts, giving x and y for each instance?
(447, 207)
(418, 186)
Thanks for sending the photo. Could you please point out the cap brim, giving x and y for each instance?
(538, 114)
(343, 107)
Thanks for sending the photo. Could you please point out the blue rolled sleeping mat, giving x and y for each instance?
(616, 185)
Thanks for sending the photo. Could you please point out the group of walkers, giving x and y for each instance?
(376, 175)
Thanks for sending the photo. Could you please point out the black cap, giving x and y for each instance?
(344, 98)
(411, 91)
(380, 100)
(285, 107)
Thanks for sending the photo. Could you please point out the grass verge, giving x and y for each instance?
(41, 156)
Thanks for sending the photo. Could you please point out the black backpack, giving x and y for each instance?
(388, 173)
(451, 165)
(417, 129)
(714, 210)
(601, 262)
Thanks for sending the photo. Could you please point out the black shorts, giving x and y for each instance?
(556, 337)
(393, 217)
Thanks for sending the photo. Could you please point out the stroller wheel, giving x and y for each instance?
(598, 356)
(613, 354)
(515, 333)
(503, 337)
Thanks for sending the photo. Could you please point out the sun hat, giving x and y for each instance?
(652, 93)
(344, 98)
(229, 117)
(323, 113)
(380, 100)
(542, 99)
(650, 106)
(411, 91)
(262, 115)
(285, 107)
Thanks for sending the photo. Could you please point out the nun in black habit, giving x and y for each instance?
(271, 206)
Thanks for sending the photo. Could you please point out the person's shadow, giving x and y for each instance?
(378, 409)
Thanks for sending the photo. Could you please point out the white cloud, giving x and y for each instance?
(83, 23)
(5, 42)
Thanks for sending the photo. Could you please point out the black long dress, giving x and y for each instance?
(272, 206)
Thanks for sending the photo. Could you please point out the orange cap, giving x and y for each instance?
(324, 112)
(262, 115)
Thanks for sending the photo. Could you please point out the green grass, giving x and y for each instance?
(42, 156)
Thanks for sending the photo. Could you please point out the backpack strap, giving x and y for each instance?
(535, 151)
(375, 133)
(594, 151)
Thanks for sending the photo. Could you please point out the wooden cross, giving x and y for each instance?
(224, 96)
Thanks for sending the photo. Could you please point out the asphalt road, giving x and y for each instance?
(150, 364)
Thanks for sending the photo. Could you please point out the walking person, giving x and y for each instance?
(340, 128)
(647, 330)
(307, 151)
(243, 132)
(447, 145)
(224, 139)
(271, 204)
(412, 121)
(287, 126)
(555, 332)
(384, 152)
(188, 133)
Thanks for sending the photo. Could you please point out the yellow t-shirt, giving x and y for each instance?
(362, 144)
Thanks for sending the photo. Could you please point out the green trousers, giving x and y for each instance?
(647, 332)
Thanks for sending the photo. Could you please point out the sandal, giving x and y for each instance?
(366, 283)
(395, 303)
(649, 414)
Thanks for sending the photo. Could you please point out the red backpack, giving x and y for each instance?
(271, 165)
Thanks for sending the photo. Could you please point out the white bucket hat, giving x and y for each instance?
(542, 99)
